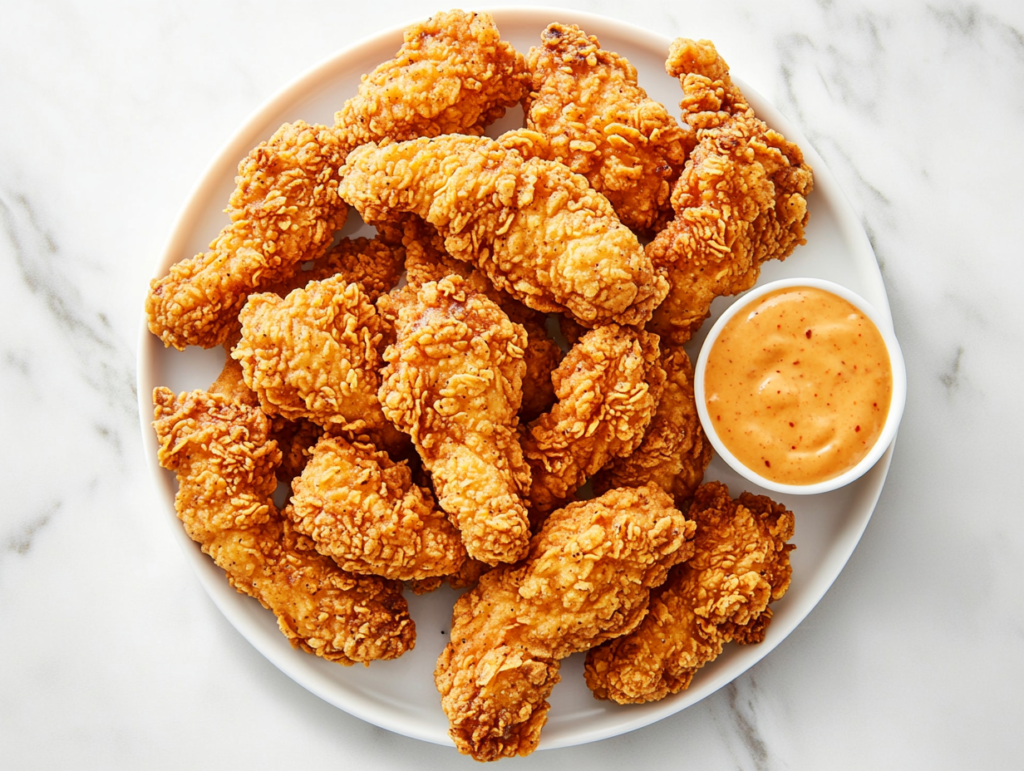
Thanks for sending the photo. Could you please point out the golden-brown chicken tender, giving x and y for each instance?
(608, 387)
(532, 227)
(427, 261)
(225, 463)
(740, 564)
(295, 439)
(373, 263)
(362, 509)
(674, 452)
(600, 123)
(314, 354)
(453, 75)
(741, 200)
(453, 382)
(586, 579)
(284, 210)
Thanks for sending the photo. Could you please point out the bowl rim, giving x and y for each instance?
(896, 405)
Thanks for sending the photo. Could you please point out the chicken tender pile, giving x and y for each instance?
(586, 579)
(226, 474)
(534, 228)
(740, 564)
(436, 403)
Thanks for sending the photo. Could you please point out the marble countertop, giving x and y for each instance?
(113, 655)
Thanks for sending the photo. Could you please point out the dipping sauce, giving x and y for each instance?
(798, 385)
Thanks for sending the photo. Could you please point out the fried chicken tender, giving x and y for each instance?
(372, 263)
(741, 200)
(601, 123)
(427, 261)
(532, 227)
(295, 439)
(314, 354)
(285, 209)
(452, 75)
(608, 387)
(740, 564)
(225, 464)
(362, 509)
(674, 453)
(586, 579)
(453, 382)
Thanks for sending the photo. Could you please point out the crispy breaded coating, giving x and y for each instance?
(535, 229)
(674, 453)
(314, 354)
(225, 463)
(427, 261)
(740, 564)
(453, 382)
(465, 577)
(372, 263)
(741, 200)
(294, 439)
(453, 75)
(387, 309)
(385, 437)
(362, 509)
(285, 209)
(586, 579)
(608, 387)
(600, 123)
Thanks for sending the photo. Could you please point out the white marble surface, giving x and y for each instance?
(111, 654)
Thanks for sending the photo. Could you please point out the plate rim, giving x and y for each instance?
(225, 160)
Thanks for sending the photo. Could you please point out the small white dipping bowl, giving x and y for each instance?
(892, 420)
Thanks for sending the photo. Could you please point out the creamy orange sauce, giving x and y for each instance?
(798, 385)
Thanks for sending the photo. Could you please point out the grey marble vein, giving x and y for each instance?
(951, 377)
(104, 361)
(970, 21)
(740, 720)
(19, 361)
(20, 540)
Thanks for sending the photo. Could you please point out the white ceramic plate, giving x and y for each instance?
(400, 695)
